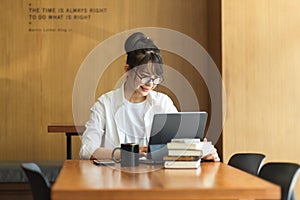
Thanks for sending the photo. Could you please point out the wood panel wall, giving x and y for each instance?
(260, 51)
(39, 65)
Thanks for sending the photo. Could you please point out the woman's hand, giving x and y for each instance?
(213, 156)
(143, 151)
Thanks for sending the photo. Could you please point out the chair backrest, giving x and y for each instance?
(248, 162)
(40, 185)
(283, 174)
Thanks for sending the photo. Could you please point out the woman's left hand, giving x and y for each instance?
(212, 156)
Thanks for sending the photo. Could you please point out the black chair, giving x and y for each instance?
(283, 174)
(248, 162)
(39, 183)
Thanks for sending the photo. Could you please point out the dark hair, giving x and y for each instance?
(140, 50)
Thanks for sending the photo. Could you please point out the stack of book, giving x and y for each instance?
(186, 153)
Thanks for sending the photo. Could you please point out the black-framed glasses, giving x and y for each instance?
(147, 79)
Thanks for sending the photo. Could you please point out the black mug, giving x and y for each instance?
(129, 155)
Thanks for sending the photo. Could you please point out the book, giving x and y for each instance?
(181, 158)
(184, 152)
(189, 147)
(186, 140)
(183, 145)
(182, 164)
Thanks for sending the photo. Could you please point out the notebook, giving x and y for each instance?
(166, 126)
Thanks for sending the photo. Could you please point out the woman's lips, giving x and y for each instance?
(145, 89)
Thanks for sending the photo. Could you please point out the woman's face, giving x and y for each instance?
(143, 78)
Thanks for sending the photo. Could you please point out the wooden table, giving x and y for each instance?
(213, 180)
(69, 130)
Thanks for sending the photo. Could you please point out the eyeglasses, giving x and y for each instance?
(147, 79)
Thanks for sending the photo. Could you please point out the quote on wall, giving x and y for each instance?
(38, 16)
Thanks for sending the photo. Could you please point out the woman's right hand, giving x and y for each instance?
(143, 151)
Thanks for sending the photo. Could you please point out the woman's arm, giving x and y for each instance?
(103, 153)
(92, 136)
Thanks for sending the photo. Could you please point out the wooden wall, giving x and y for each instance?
(40, 58)
(260, 51)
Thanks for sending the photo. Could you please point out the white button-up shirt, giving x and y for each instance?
(107, 123)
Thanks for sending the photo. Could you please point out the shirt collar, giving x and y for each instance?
(149, 97)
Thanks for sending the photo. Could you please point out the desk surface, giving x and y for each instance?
(84, 180)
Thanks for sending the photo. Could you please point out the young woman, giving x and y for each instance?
(125, 115)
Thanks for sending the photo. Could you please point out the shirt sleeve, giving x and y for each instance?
(95, 128)
(171, 108)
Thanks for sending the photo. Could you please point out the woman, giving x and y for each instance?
(125, 115)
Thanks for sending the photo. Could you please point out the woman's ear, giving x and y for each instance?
(127, 68)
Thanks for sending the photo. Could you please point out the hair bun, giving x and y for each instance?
(138, 40)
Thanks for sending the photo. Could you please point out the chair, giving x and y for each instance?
(248, 162)
(40, 185)
(283, 174)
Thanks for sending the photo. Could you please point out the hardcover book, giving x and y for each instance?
(181, 158)
(181, 145)
(182, 164)
(185, 152)
(189, 147)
